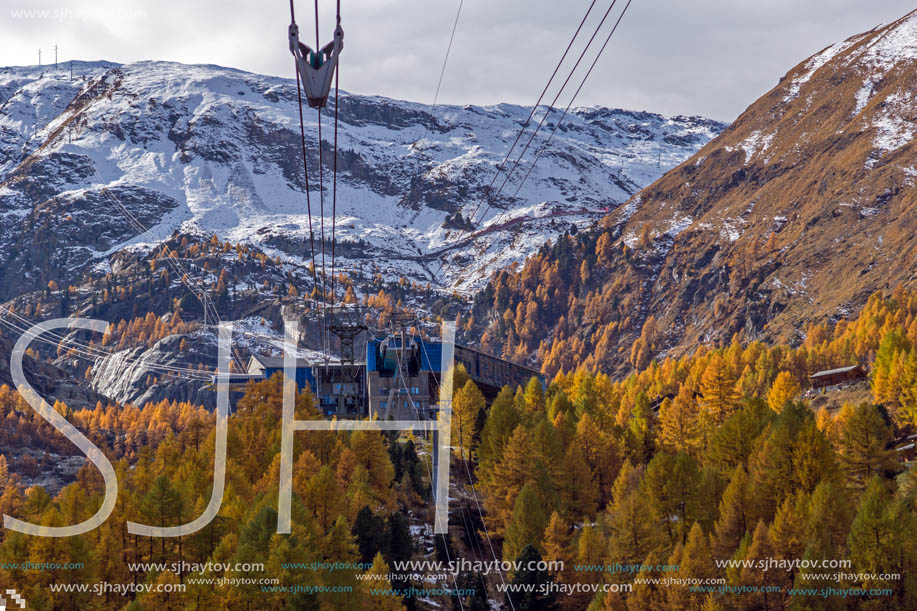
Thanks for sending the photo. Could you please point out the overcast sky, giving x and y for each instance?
(707, 57)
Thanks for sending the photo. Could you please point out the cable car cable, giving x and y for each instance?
(548, 111)
(576, 93)
(334, 187)
(528, 119)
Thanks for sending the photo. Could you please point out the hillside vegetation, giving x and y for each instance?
(794, 215)
(734, 466)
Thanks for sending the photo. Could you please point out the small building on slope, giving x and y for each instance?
(841, 375)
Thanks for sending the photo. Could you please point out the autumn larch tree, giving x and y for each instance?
(863, 444)
(466, 406)
(783, 389)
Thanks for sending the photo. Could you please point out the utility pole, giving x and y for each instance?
(55, 57)
(39, 58)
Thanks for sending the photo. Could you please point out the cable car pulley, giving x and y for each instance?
(316, 67)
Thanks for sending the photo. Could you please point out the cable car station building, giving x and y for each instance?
(376, 389)
(390, 395)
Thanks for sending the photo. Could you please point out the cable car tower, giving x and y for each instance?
(347, 324)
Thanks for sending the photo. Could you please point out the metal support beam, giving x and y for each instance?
(443, 432)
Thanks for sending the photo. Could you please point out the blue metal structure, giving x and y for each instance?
(426, 355)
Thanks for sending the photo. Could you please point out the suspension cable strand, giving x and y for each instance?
(488, 193)
(439, 82)
(321, 185)
(528, 119)
(321, 194)
(334, 187)
(548, 111)
(429, 468)
(177, 267)
(569, 105)
(556, 97)
(442, 71)
(318, 44)
(448, 50)
(305, 169)
(576, 93)
(474, 493)
(92, 353)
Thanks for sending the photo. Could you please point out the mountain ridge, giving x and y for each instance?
(792, 216)
(206, 149)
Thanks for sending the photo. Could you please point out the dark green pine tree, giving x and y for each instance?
(161, 506)
(396, 455)
(443, 548)
(412, 466)
(372, 535)
(400, 545)
(479, 422)
(478, 601)
(534, 600)
(258, 531)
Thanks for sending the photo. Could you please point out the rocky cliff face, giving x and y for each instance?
(165, 358)
(52, 383)
(127, 377)
(794, 214)
(122, 156)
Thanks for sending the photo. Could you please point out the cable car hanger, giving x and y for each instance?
(316, 68)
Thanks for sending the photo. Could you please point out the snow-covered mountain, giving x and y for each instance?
(206, 149)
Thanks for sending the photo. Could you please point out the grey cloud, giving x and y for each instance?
(708, 57)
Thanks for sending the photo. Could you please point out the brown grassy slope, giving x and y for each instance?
(795, 214)
(849, 205)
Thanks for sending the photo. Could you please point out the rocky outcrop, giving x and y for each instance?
(142, 375)
(52, 383)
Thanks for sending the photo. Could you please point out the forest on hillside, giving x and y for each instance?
(693, 461)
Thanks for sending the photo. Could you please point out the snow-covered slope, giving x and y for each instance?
(215, 150)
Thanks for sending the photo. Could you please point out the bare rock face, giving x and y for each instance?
(65, 233)
(137, 376)
(52, 383)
